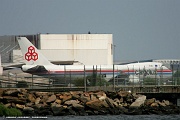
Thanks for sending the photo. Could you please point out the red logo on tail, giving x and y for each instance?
(31, 54)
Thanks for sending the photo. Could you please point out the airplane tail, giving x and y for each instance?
(31, 54)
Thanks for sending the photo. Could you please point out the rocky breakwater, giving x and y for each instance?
(83, 103)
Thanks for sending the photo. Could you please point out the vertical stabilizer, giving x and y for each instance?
(31, 54)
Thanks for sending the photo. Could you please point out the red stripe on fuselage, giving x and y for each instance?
(126, 71)
(77, 71)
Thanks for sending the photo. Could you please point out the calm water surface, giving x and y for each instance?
(105, 117)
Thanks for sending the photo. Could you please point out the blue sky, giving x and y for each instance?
(142, 29)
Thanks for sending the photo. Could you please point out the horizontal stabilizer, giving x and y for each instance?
(36, 69)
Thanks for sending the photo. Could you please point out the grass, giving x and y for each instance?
(4, 111)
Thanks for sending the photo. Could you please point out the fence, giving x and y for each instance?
(96, 79)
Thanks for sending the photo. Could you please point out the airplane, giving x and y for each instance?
(37, 64)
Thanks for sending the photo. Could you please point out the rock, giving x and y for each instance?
(13, 105)
(89, 112)
(117, 101)
(135, 96)
(129, 99)
(134, 111)
(112, 95)
(123, 93)
(71, 111)
(122, 110)
(78, 106)
(1, 92)
(84, 99)
(86, 94)
(20, 95)
(39, 94)
(121, 100)
(166, 102)
(31, 97)
(71, 102)
(58, 101)
(39, 105)
(161, 104)
(16, 100)
(57, 109)
(150, 101)
(101, 95)
(102, 98)
(105, 104)
(28, 109)
(76, 94)
(139, 101)
(11, 92)
(125, 104)
(65, 106)
(37, 100)
(45, 112)
(7, 105)
(44, 98)
(23, 91)
(84, 103)
(65, 97)
(110, 102)
(97, 104)
(29, 104)
(116, 104)
(20, 106)
(51, 99)
(93, 97)
(154, 104)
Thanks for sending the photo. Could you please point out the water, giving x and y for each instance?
(105, 117)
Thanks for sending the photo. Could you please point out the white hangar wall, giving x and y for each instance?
(84, 48)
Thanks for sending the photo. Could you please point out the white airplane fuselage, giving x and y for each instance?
(150, 69)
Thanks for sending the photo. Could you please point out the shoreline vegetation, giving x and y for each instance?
(20, 102)
(4, 111)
